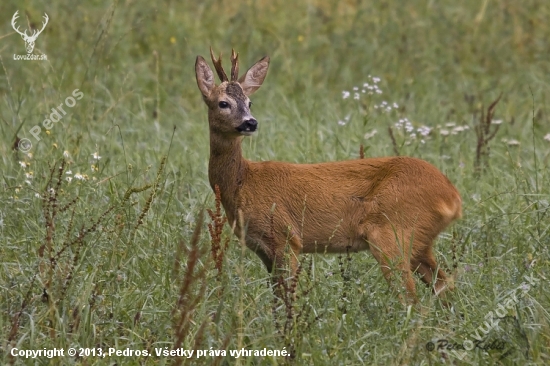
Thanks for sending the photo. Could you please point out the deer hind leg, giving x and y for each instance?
(428, 268)
(391, 254)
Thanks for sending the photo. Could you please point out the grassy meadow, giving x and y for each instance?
(105, 237)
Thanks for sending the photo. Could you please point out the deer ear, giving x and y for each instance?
(205, 77)
(254, 77)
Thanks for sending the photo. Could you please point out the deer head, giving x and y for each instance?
(228, 103)
(29, 40)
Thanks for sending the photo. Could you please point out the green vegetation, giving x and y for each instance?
(111, 249)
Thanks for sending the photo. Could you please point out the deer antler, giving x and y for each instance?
(13, 19)
(218, 65)
(36, 33)
(234, 65)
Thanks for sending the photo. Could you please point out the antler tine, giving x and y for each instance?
(218, 65)
(16, 27)
(234, 65)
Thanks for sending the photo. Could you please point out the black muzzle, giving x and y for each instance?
(248, 126)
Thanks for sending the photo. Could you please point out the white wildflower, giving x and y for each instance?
(68, 172)
(375, 80)
(424, 130)
(66, 154)
(368, 135)
(23, 164)
(356, 96)
(29, 175)
(96, 156)
(513, 142)
(395, 105)
(547, 137)
(37, 195)
(341, 123)
(345, 94)
(496, 122)
(444, 132)
(78, 176)
(458, 129)
(450, 124)
(69, 179)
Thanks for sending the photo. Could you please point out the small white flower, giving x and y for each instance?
(450, 124)
(355, 88)
(66, 154)
(78, 176)
(376, 80)
(378, 91)
(363, 91)
(413, 135)
(52, 191)
(395, 105)
(345, 94)
(23, 164)
(28, 175)
(68, 172)
(341, 123)
(458, 129)
(444, 132)
(356, 96)
(28, 182)
(29, 154)
(547, 137)
(37, 195)
(368, 135)
(496, 122)
(424, 130)
(96, 156)
(513, 142)
(466, 127)
(69, 179)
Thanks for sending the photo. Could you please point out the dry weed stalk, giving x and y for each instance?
(189, 297)
(297, 316)
(485, 132)
(393, 141)
(215, 228)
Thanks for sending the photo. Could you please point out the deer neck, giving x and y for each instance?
(227, 169)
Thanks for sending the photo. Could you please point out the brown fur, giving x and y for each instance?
(393, 206)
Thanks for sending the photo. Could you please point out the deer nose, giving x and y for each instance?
(251, 123)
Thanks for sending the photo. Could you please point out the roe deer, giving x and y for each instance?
(393, 206)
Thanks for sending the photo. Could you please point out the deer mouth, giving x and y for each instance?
(247, 128)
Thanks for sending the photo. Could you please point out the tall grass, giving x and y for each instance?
(102, 238)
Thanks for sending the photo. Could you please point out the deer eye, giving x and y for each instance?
(249, 104)
(224, 105)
